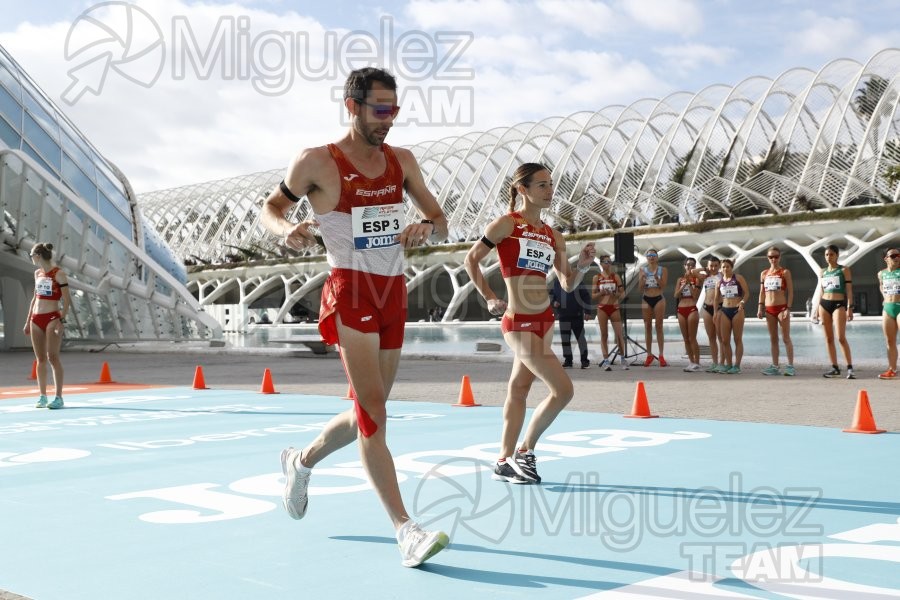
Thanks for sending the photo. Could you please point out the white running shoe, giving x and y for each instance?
(418, 545)
(296, 482)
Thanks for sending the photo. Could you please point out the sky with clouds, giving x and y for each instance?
(177, 92)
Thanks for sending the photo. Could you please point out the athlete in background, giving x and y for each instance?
(45, 321)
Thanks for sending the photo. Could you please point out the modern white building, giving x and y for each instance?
(56, 187)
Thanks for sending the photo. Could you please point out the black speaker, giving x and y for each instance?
(623, 245)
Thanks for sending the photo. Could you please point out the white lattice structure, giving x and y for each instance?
(804, 140)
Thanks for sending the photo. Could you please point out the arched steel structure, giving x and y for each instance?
(805, 140)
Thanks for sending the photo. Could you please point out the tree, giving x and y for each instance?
(892, 175)
(868, 96)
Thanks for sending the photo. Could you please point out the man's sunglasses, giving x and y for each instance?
(382, 111)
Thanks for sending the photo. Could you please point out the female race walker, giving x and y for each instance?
(889, 280)
(44, 323)
(776, 293)
(606, 292)
(528, 248)
(729, 299)
(713, 277)
(651, 282)
(835, 309)
(687, 291)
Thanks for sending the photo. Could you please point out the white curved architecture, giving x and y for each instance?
(802, 141)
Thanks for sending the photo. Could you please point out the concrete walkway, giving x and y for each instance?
(807, 399)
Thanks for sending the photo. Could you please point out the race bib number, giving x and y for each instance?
(607, 288)
(831, 283)
(729, 290)
(43, 287)
(687, 291)
(710, 282)
(772, 283)
(535, 256)
(892, 287)
(651, 282)
(376, 226)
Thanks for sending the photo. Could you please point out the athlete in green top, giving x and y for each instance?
(889, 280)
(836, 308)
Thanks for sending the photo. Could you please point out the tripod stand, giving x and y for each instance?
(635, 346)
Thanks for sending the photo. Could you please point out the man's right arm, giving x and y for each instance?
(299, 182)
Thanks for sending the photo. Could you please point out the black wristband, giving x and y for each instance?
(430, 222)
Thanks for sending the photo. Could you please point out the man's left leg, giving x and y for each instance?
(362, 358)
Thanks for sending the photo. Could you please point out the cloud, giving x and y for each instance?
(225, 103)
(682, 17)
(211, 116)
(589, 18)
(823, 36)
(506, 17)
(230, 101)
(464, 14)
(686, 58)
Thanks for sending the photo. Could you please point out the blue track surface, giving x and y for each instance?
(175, 493)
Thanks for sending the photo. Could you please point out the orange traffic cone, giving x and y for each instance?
(267, 386)
(104, 374)
(33, 370)
(465, 393)
(641, 408)
(199, 381)
(863, 421)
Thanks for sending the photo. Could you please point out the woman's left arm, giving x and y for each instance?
(63, 282)
(789, 284)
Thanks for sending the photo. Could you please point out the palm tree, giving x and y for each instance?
(868, 96)
(892, 174)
